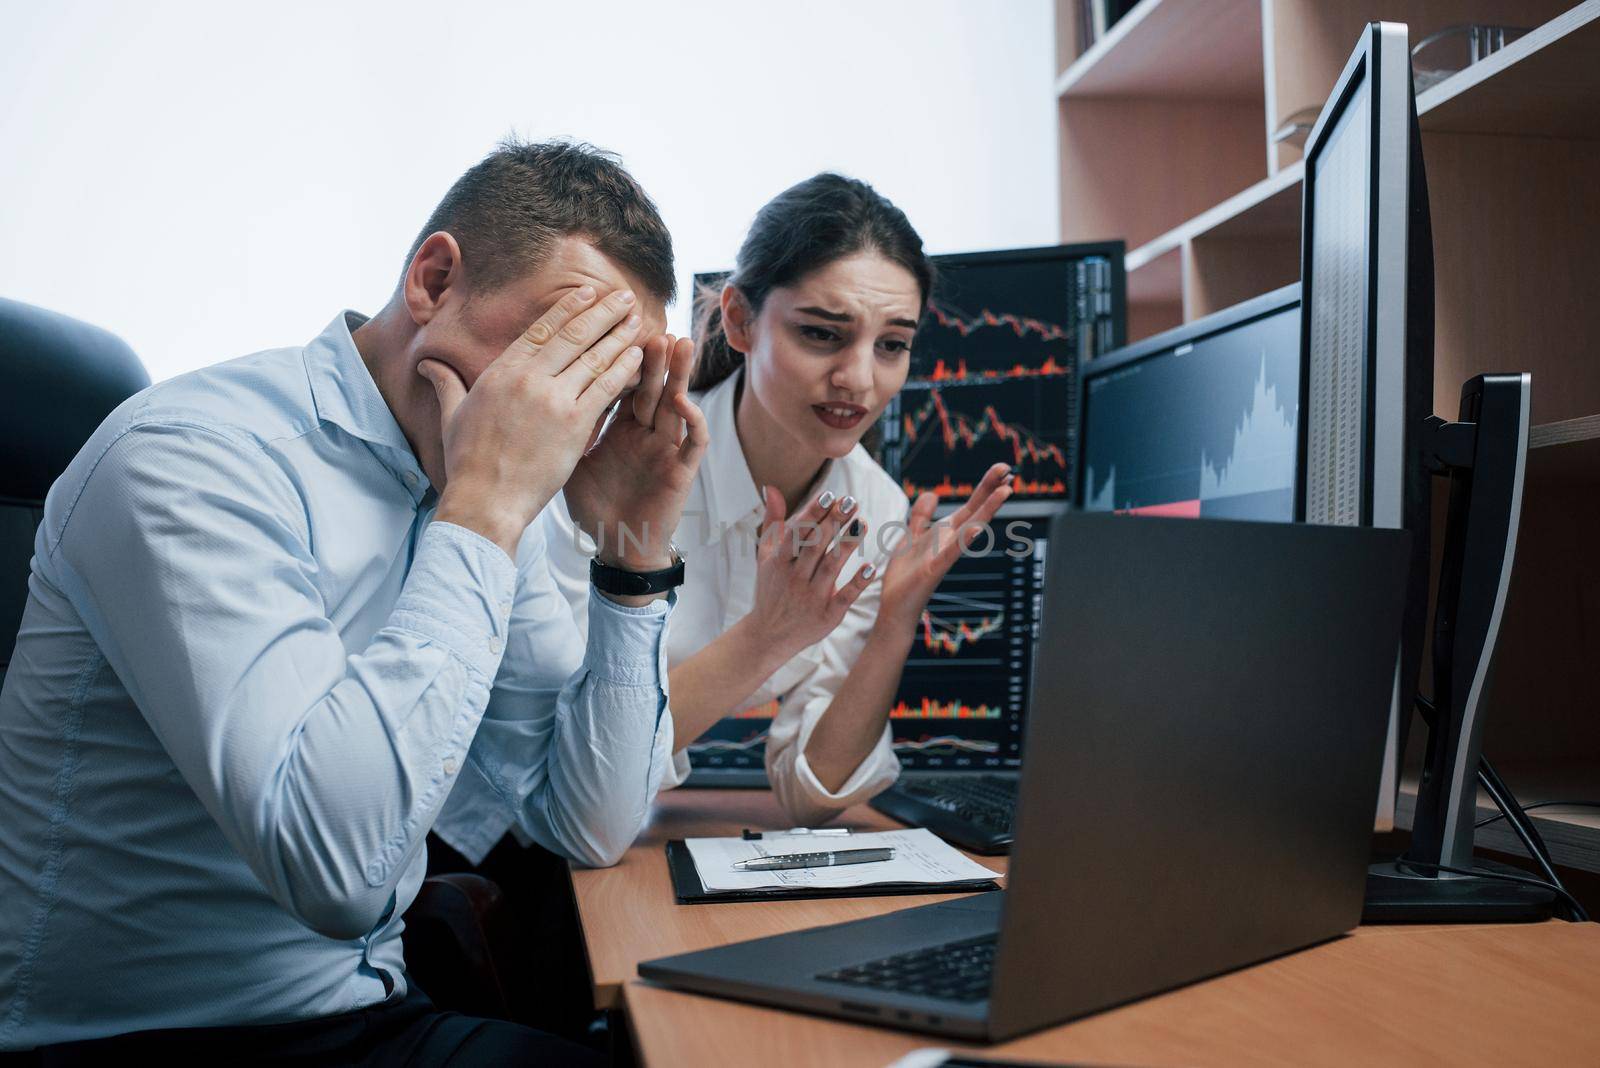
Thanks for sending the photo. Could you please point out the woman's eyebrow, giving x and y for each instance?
(823, 313)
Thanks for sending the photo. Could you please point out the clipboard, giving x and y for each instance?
(687, 889)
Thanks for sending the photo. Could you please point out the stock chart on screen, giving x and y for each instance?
(994, 366)
(1202, 428)
(963, 695)
(737, 741)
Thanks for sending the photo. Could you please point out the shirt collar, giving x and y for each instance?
(343, 390)
(734, 498)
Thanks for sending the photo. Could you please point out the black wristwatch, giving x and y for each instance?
(624, 583)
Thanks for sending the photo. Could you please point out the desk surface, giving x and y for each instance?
(629, 914)
(1489, 994)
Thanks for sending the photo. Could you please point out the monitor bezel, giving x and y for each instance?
(1381, 46)
(1388, 497)
(1242, 314)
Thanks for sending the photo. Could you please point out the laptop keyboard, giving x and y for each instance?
(955, 971)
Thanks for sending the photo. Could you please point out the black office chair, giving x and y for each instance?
(61, 379)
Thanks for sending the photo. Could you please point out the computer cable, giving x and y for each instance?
(1504, 800)
(1532, 840)
(1513, 813)
(1578, 913)
(1538, 804)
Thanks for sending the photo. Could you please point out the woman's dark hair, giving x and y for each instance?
(803, 228)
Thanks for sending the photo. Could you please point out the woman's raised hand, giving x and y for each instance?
(925, 555)
(798, 561)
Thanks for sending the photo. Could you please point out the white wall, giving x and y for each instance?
(209, 179)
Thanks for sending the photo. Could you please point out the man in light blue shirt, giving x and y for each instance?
(283, 608)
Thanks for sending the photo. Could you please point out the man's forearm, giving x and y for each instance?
(579, 766)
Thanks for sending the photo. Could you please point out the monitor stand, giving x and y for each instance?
(1399, 894)
(1485, 456)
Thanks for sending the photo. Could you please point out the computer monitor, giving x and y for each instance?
(993, 377)
(1366, 330)
(1197, 421)
(963, 695)
(1369, 446)
(994, 369)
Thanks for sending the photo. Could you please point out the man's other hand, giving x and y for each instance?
(512, 440)
(628, 490)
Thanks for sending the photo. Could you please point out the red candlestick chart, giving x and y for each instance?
(944, 437)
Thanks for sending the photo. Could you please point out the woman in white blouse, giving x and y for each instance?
(809, 342)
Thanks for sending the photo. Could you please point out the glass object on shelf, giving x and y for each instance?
(1455, 48)
(1295, 128)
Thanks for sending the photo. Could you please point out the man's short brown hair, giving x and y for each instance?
(508, 211)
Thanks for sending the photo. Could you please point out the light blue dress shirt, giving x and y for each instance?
(250, 673)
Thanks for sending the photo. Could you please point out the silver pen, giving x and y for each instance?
(783, 861)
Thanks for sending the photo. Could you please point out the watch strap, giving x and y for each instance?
(625, 583)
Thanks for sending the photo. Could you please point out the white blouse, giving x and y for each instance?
(718, 536)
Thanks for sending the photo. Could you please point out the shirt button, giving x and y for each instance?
(505, 609)
(494, 645)
(449, 765)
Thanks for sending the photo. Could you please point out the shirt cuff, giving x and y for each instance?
(459, 594)
(876, 772)
(627, 645)
(675, 772)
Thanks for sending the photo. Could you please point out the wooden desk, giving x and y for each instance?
(629, 914)
(1485, 994)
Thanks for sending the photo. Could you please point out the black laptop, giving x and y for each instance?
(1209, 705)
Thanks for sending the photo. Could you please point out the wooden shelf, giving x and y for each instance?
(1306, 42)
(1155, 300)
(1573, 834)
(1271, 206)
(1585, 428)
(1563, 456)
(1546, 84)
(1161, 118)
(1209, 50)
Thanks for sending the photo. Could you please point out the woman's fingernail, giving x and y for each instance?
(825, 500)
(847, 506)
(868, 571)
(855, 528)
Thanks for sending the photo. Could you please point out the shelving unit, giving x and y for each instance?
(1166, 141)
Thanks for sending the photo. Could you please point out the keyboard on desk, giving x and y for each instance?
(970, 811)
(955, 971)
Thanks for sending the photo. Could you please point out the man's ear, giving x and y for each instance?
(737, 319)
(433, 271)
